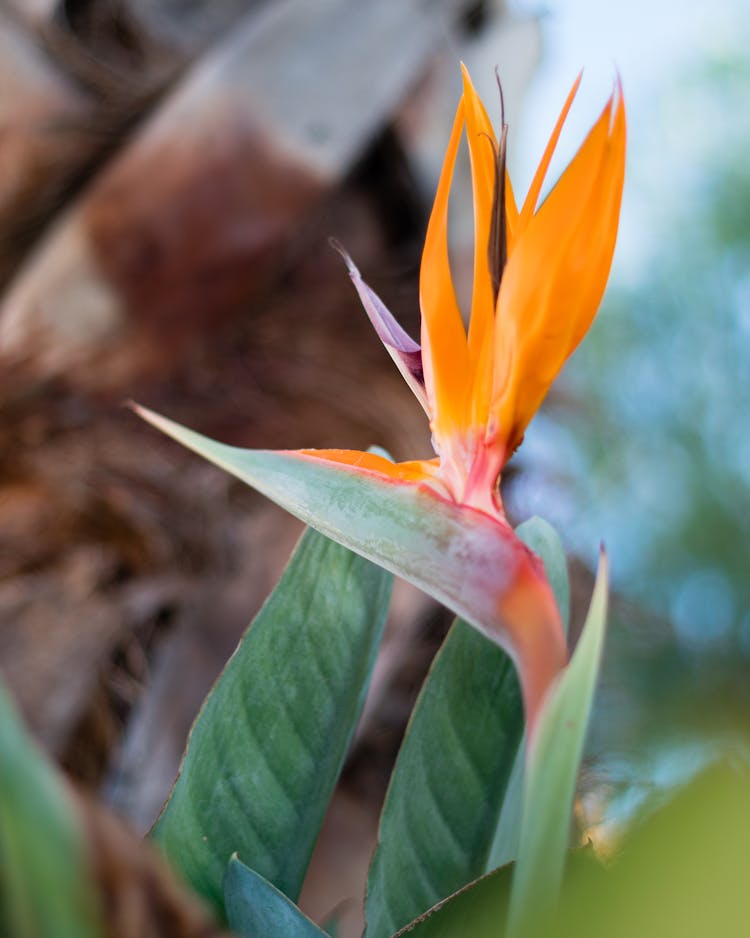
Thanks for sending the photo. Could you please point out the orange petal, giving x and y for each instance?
(556, 276)
(607, 223)
(445, 355)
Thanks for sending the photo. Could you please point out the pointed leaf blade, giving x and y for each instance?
(446, 792)
(459, 774)
(256, 907)
(266, 749)
(552, 771)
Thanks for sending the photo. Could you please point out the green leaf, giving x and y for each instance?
(267, 747)
(446, 792)
(478, 910)
(447, 816)
(255, 908)
(552, 772)
(45, 884)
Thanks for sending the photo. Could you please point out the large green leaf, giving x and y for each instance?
(446, 793)
(256, 908)
(267, 747)
(46, 888)
(441, 823)
(552, 771)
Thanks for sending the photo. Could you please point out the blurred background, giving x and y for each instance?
(171, 172)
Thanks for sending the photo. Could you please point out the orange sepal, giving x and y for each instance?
(445, 355)
(555, 277)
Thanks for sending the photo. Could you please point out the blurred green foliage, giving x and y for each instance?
(681, 873)
(45, 885)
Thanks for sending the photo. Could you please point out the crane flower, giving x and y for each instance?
(539, 273)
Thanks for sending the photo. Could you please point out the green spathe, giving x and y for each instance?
(461, 556)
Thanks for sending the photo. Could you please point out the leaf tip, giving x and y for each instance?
(603, 569)
(339, 248)
(150, 416)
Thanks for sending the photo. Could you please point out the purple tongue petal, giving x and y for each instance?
(405, 352)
